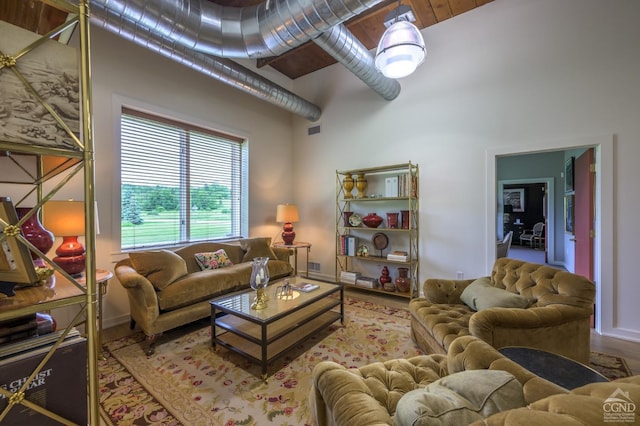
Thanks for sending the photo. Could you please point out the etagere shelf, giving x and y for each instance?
(391, 192)
(38, 155)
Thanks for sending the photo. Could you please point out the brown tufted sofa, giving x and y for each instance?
(555, 320)
(369, 395)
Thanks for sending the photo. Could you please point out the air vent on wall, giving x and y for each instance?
(313, 130)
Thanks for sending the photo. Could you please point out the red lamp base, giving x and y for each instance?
(287, 233)
(70, 256)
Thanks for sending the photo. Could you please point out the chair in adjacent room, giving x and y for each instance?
(533, 236)
(502, 248)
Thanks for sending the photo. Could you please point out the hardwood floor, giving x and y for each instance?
(630, 351)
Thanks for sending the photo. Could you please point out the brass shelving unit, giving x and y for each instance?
(375, 198)
(38, 163)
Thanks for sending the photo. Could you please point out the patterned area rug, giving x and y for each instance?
(187, 383)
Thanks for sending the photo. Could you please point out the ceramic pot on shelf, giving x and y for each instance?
(347, 185)
(385, 280)
(35, 233)
(361, 184)
(372, 220)
(405, 218)
(346, 216)
(403, 282)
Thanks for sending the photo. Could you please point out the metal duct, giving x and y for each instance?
(247, 32)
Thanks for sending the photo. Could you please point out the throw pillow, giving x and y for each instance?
(460, 399)
(161, 267)
(257, 247)
(480, 295)
(213, 260)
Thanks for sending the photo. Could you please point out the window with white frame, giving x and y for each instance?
(180, 183)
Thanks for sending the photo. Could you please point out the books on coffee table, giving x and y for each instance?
(304, 287)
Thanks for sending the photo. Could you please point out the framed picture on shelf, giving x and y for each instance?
(514, 198)
(568, 175)
(568, 213)
(16, 264)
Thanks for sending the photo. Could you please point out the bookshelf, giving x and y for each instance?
(391, 193)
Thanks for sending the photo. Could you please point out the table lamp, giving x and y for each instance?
(66, 219)
(286, 214)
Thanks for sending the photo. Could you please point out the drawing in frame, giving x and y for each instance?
(568, 175)
(16, 265)
(515, 198)
(568, 213)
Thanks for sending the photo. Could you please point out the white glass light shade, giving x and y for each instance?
(400, 50)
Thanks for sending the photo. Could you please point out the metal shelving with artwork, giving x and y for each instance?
(364, 197)
(46, 132)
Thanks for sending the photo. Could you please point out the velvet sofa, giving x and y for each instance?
(520, 304)
(167, 289)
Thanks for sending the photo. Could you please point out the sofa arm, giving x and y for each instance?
(143, 301)
(368, 395)
(437, 290)
(282, 253)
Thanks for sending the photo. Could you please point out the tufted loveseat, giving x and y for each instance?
(405, 392)
(555, 316)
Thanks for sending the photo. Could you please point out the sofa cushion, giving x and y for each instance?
(257, 247)
(160, 267)
(213, 260)
(481, 294)
(460, 398)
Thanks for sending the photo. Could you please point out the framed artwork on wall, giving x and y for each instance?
(568, 175)
(514, 198)
(568, 213)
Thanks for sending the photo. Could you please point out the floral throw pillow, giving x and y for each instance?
(213, 260)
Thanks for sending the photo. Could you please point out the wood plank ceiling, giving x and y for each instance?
(368, 27)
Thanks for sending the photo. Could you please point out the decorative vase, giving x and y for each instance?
(361, 184)
(372, 220)
(347, 185)
(405, 218)
(346, 216)
(385, 280)
(259, 281)
(403, 282)
(392, 220)
(36, 234)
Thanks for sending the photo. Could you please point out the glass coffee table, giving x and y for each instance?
(265, 334)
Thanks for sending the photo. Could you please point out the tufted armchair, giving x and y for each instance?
(370, 394)
(555, 318)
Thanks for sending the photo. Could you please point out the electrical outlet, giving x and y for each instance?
(460, 275)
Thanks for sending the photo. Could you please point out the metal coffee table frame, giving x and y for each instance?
(264, 335)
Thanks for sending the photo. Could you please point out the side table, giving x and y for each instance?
(102, 280)
(558, 369)
(295, 246)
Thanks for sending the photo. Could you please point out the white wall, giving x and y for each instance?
(510, 76)
(124, 72)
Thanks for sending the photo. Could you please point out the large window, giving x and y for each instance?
(179, 183)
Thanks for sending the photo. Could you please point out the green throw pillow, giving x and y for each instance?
(480, 295)
(460, 399)
(160, 267)
(257, 247)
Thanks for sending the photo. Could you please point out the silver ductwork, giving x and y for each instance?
(185, 29)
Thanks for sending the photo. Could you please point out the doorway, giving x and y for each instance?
(603, 225)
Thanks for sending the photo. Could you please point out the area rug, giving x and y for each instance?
(186, 382)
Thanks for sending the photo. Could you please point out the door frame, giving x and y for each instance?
(603, 241)
(549, 224)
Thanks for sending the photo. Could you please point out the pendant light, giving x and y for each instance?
(401, 48)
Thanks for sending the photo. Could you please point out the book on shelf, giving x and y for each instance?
(367, 282)
(305, 287)
(398, 256)
(60, 386)
(348, 245)
(391, 186)
(348, 277)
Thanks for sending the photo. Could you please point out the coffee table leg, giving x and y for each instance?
(342, 305)
(213, 326)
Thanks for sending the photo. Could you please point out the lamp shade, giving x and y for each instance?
(287, 213)
(400, 50)
(64, 218)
